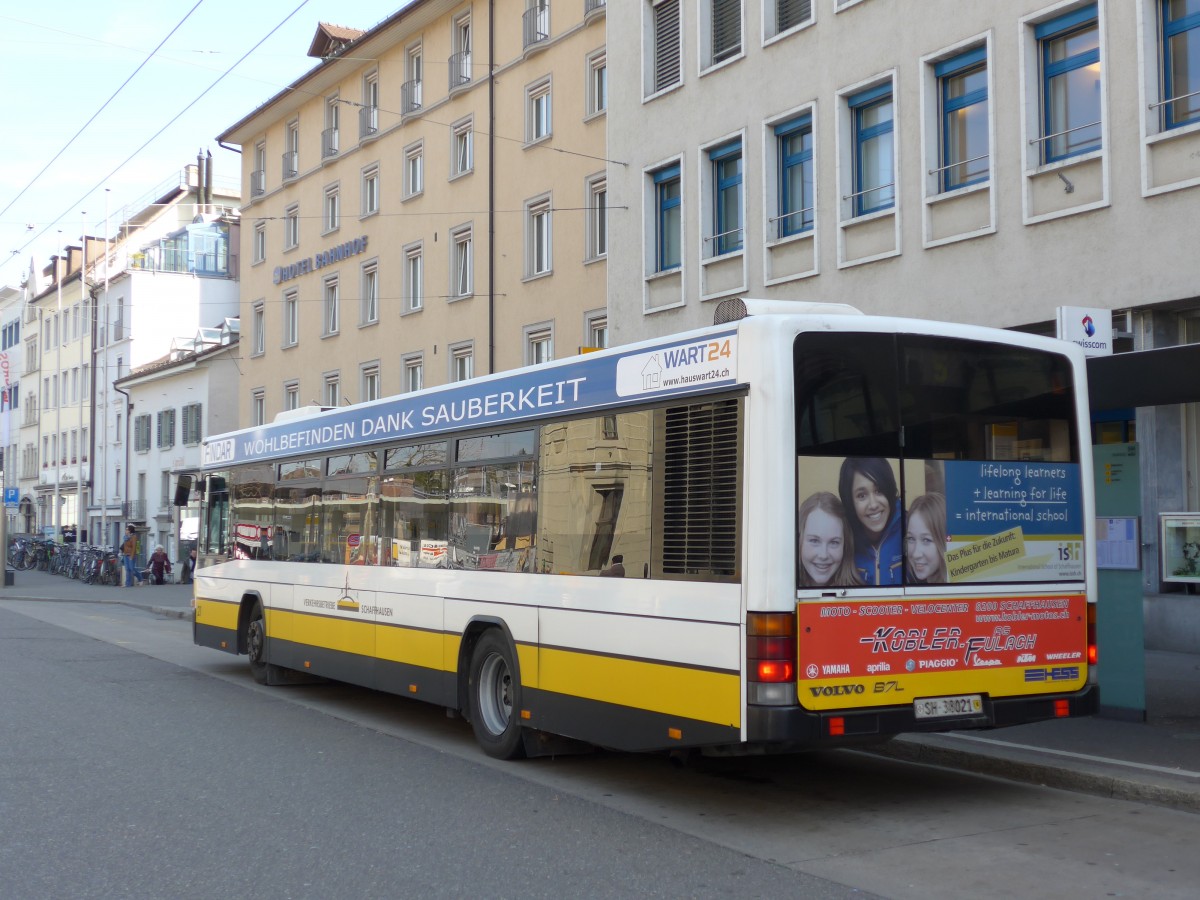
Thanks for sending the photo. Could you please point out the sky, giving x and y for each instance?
(64, 61)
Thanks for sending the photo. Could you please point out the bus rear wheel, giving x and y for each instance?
(256, 644)
(494, 698)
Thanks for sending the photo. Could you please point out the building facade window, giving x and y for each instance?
(460, 43)
(666, 46)
(291, 227)
(724, 29)
(414, 170)
(538, 258)
(539, 344)
(962, 86)
(597, 84)
(1181, 62)
(462, 156)
(332, 207)
(260, 241)
(141, 433)
(291, 395)
(291, 319)
(668, 230)
(330, 136)
(291, 152)
(370, 384)
(258, 175)
(193, 428)
(370, 190)
(871, 114)
(462, 361)
(794, 149)
(331, 394)
(368, 309)
(596, 330)
(368, 113)
(597, 205)
(537, 111)
(461, 262)
(258, 407)
(726, 175)
(166, 429)
(258, 334)
(332, 307)
(414, 373)
(784, 15)
(414, 278)
(414, 75)
(1069, 53)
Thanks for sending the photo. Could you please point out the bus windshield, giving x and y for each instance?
(932, 460)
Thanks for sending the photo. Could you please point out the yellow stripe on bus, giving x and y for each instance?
(655, 686)
(217, 614)
(329, 632)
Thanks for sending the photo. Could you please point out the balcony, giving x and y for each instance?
(591, 6)
(329, 143)
(291, 164)
(460, 69)
(368, 121)
(258, 183)
(410, 96)
(134, 509)
(536, 21)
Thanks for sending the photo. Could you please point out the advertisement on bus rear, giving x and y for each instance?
(878, 522)
(886, 652)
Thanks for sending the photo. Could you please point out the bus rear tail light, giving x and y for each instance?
(1062, 709)
(1092, 654)
(771, 658)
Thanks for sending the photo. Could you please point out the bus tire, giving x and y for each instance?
(256, 645)
(494, 697)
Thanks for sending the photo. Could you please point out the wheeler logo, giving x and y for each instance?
(836, 690)
(216, 452)
(1089, 326)
(1057, 673)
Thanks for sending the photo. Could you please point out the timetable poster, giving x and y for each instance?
(1013, 521)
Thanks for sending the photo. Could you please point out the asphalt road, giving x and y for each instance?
(133, 764)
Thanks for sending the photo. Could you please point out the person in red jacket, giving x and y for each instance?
(160, 563)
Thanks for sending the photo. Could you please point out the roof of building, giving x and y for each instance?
(331, 38)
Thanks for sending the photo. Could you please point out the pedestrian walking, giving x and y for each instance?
(129, 549)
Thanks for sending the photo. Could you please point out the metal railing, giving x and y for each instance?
(329, 143)
(291, 164)
(258, 183)
(368, 121)
(460, 69)
(410, 96)
(536, 21)
(590, 6)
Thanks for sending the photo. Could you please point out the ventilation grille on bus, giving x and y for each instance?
(700, 478)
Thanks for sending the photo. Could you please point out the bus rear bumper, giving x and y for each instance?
(798, 726)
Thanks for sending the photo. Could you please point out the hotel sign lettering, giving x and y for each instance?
(321, 260)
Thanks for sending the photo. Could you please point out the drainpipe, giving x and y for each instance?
(128, 412)
(491, 186)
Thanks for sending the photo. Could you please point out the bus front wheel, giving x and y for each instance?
(256, 644)
(494, 696)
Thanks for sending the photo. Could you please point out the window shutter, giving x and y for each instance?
(726, 29)
(158, 425)
(666, 44)
(791, 12)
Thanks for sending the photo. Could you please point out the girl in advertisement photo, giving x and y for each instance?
(826, 545)
(925, 540)
(868, 490)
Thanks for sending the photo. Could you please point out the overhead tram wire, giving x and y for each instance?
(172, 121)
(103, 106)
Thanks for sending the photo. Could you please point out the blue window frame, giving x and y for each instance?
(726, 162)
(1070, 54)
(794, 147)
(874, 150)
(962, 89)
(1181, 62)
(667, 231)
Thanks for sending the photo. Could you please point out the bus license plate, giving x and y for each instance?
(942, 707)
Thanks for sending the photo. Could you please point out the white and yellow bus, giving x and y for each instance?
(801, 527)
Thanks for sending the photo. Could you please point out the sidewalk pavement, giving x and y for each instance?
(1155, 761)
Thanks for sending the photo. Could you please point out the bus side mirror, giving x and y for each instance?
(183, 490)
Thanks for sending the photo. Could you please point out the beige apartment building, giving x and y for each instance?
(428, 203)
